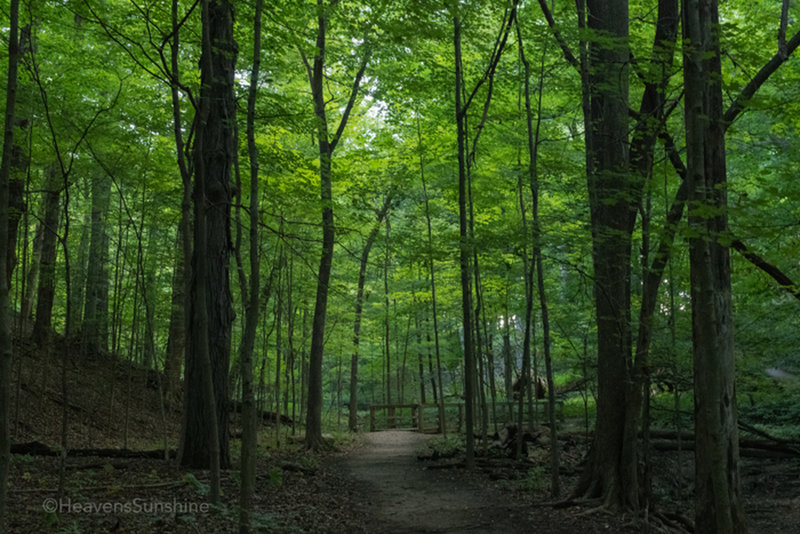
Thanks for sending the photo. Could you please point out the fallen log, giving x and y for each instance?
(35, 448)
(747, 447)
(265, 415)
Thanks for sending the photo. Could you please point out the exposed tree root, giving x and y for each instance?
(601, 509)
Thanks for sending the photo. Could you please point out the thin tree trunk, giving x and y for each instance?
(176, 337)
(533, 175)
(279, 350)
(387, 345)
(249, 420)
(47, 260)
(290, 363)
(352, 423)
(31, 277)
(464, 252)
(78, 280)
(327, 145)
(432, 271)
(508, 366)
(94, 329)
(418, 332)
(185, 165)
(437, 391)
(490, 364)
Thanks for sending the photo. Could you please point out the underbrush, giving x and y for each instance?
(440, 447)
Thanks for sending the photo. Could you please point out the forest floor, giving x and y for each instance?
(376, 484)
(382, 482)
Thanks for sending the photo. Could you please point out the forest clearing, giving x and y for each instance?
(400, 266)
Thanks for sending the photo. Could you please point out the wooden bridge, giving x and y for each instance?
(505, 413)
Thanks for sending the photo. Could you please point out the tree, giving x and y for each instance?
(327, 144)
(718, 504)
(94, 329)
(352, 423)
(208, 357)
(605, 87)
(249, 429)
(47, 255)
(6, 345)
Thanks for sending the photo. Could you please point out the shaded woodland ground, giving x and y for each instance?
(375, 482)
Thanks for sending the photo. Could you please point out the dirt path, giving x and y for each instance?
(401, 494)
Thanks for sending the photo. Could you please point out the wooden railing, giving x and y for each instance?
(505, 412)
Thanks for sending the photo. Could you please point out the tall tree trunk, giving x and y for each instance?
(525, 377)
(352, 422)
(249, 419)
(327, 145)
(418, 332)
(533, 175)
(386, 337)
(47, 259)
(464, 252)
(606, 95)
(211, 311)
(78, 271)
(279, 344)
(651, 116)
(432, 271)
(176, 336)
(94, 329)
(290, 363)
(31, 278)
(314, 408)
(718, 502)
(6, 345)
(438, 392)
(508, 365)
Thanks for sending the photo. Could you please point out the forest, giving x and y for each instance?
(249, 248)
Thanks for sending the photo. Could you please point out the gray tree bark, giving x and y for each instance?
(718, 501)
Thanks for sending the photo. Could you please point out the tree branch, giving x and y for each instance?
(758, 80)
(353, 95)
(774, 272)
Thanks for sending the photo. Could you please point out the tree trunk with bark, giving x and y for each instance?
(327, 145)
(208, 358)
(432, 272)
(352, 422)
(176, 337)
(464, 253)
(6, 345)
(605, 87)
(718, 500)
(249, 419)
(94, 329)
(47, 258)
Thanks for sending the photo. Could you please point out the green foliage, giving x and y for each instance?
(275, 476)
(536, 479)
(110, 111)
(199, 487)
(72, 528)
(442, 447)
